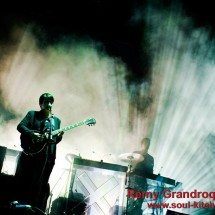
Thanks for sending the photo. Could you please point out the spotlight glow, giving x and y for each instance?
(86, 83)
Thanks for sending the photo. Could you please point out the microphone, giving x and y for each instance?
(22, 206)
(105, 156)
(97, 155)
(50, 106)
(101, 157)
(79, 154)
(16, 205)
(160, 170)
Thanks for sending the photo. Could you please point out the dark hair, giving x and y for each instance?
(45, 96)
(146, 141)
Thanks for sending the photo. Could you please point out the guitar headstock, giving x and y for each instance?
(90, 121)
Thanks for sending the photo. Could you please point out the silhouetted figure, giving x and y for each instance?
(141, 169)
(39, 152)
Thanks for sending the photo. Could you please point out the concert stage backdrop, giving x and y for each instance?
(165, 92)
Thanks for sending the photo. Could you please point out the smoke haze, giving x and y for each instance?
(175, 108)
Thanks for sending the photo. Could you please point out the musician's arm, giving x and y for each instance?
(152, 165)
(59, 135)
(24, 127)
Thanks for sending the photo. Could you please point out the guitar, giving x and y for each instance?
(33, 146)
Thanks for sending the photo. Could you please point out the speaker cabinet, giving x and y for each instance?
(170, 212)
(2, 156)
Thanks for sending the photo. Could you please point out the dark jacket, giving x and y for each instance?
(146, 166)
(34, 122)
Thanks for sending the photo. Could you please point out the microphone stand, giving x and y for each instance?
(46, 157)
(51, 125)
(128, 185)
(50, 138)
(51, 193)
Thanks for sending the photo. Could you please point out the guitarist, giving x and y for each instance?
(34, 169)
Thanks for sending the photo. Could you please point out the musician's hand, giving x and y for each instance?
(37, 136)
(60, 134)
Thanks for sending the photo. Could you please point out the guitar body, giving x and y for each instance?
(31, 146)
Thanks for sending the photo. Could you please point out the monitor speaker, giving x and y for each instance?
(169, 212)
(2, 156)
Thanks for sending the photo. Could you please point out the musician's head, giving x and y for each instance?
(145, 143)
(46, 100)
